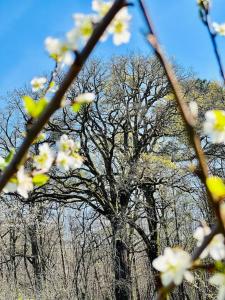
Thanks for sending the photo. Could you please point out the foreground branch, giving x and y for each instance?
(184, 109)
(56, 101)
(194, 138)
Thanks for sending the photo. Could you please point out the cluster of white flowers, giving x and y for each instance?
(67, 158)
(59, 51)
(62, 51)
(175, 263)
(216, 249)
(119, 28)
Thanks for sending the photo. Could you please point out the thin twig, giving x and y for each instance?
(55, 103)
(212, 34)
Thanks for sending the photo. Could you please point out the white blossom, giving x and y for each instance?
(193, 106)
(68, 157)
(11, 186)
(24, 183)
(83, 26)
(216, 248)
(76, 161)
(59, 50)
(214, 125)
(218, 279)
(38, 83)
(120, 27)
(85, 98)
(73, 38)
(173, 265)
(101, 7)
(65, 144)
(43, 161)
(63, 161)
(66, 161)
(219, 28)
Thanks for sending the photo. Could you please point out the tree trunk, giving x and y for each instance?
(151, 213)
(13, 239)
(121, 264)
(36, 261)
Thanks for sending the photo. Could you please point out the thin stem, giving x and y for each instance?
(212, 35)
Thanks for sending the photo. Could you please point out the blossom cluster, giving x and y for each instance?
(66, 158)
(84, 24)
(175, 263)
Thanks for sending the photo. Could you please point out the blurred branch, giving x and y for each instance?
(190, 127)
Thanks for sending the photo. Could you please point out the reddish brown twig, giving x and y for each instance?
(190, 127)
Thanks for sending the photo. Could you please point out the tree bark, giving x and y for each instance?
(36, 261)
(121, 263)
(152, 225)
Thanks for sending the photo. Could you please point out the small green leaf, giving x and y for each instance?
(39, 138)
(34, 108)
(3, 164)
(40, 179)
(52, 84)
(29, 105)
(10, 156)
(40, 106)
(220, 266)
(76, 107)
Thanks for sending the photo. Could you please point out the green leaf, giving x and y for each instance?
(34, 108)
(3, 164)
(5, 161)
(76, 107)
(52, 84)
(40, 106)
(40, 179)
(39, 138)
(10, 156)
(220, 266)
(29, 105)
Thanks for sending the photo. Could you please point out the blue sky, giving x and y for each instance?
(25, 24)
